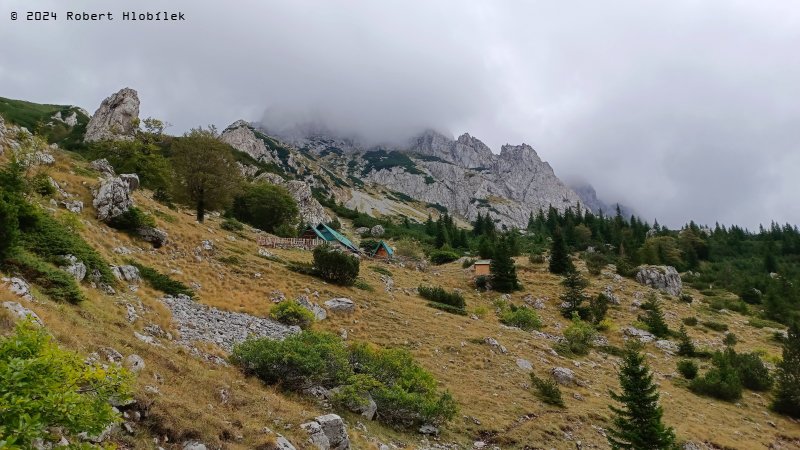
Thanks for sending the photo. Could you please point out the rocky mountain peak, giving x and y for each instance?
(520, 153)
(116, 118)
(240, 136)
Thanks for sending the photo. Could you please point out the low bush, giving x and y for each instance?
(716, 326)
(381, 270)
(521, 317)
(362, 284)
(44, 387)
(335, 266)
(231, 224)
(468, 263)
(547, 390)
(753, 373)
(448, 308)
(756, 322)
(289, 312)
(481, 282)
(605, 325)
(40, 184)
(720, 382)
(440, 295)
(688, 369)
(439, 257)
(690, 321)
(686, 298)
(730, 340)
(131, 220)
(579, 336)
(301, 268)
(595, 262)
(731, 304)
(55, 283)
(161, 282)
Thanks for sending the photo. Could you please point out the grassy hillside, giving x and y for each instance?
(37, 118)
(183, 388)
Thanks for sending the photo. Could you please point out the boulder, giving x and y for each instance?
(74, 267)
(316, 436)
(362, 231)
(340, 305)
(194, 445)
(563, 376)
(335, 430)
(134, 363)
(126, 273)
(131, 179)
(112, 199)
(103, 166)
(524, 364)
(116, 118)
(18, 287)
(663, 278)
(377, 231)
(641, 335)
(429, 430)
(492, 342)
(75, 206)
(666, 345)
(281, 443)
(153, 235)
(318, 311)
(22, 312)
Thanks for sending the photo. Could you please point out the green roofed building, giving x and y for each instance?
(329, 235)
(382, 251)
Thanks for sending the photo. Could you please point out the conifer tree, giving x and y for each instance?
(574, 296)
(787, 394)
(502, 270)
(430, 227)
(559, 255)
(685, 346)
(637, 424)
(654, 316)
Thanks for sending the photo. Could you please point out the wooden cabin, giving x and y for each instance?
(481, 267)
(382, 251)
(330, 236)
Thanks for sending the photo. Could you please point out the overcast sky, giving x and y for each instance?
(681, 109)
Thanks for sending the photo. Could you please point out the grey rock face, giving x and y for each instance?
(666, 345)
(316, 436)
(283, 444)
(641, 335)
(310, 209)
(103, 166)
(114, 119)
(74, 267)
(112, 199)
(240, 136)
(524, 364)
(194, 445)
(318, 311)
(328, 432)
(22, 312)
(126, 273)
(492, 342)
(74, 206)
(18, 287)
(134, 363)
(340, 305)
(131, 179)
(563, 376)
(197, 322)
(663, 278)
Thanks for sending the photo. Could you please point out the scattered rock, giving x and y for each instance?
(361, 231)
(22, 312)
(207, 246)
(197, 322)
(122, 250)
(328, 432)
(126, 273)
(115, 119)
(112, 199)
(377, 231)
(194, 445)
(131, 179)
(340, 305)
(134, 363)
(492, 342)
(641, 335)
(153, 235)
(524, 364)
(563, 376)
(282, 444)
(318, 311)
(103, 166)
(74, 206)
(668, 346)
(664, 278)
(429, 430)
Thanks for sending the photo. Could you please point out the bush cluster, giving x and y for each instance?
(579, 336)
(688, 369)
(161, 282)
(335, 266)
(547, 390)
(289, 312)
(405, 393)
(55, 283)
(439, 257)
(731, 373)
(231, 224)
(439, 295)
(131, 220)
(521, 317)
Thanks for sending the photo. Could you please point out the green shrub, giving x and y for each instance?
(161, 282)
(55, 283)
(685, 344)
(267, 207)
(468, 263)
(362, 284)
(579, 336)
(131, 220)
(44, 387)
(688, 369)
(448, 308)
(40, 184)
(686, 298)
(732, 304)
(481, 282)
(521, 317)
(598, 307)
(756, 322)
(335, 266)
(654, 317)
(299, 361)
(730, 340)
(302, 268)
(408, 395)
(595, 262)
(439, 257)
(440, 295)
(381, 270)
(753, 373)
(722, 381)
(716, 326)
(231, 224)
(289, 312)
(547, 390)
(690, 321)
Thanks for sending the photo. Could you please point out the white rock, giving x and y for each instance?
(338, 305)
(524, 364)
(18, 287)
(22, 312)
(563, 376)
(114, 119)
(134, 363)
(112, 199)
(664, 278)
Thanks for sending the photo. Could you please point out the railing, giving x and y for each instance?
(279, 242)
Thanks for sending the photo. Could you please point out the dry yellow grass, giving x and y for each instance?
(496, 402)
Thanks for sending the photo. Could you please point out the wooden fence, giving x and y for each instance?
(279, 242)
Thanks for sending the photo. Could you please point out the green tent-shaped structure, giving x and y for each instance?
(382, 251)
(330, 235)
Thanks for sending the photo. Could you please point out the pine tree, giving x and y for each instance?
(559, 255)
(685, 346)
(787, 394)
(430, 227)
(574, 296)
(502, 270)
(637, 425)
(654, 317)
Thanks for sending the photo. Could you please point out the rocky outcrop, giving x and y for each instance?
(327, 432)
(241, 136)
(112, 199)
(103, 166)
(18, 287)
(340, 305)
(318, 311)
(197, 322)
(22, 312)
(663, 278)
(74, 267)
(153, 235)
(126, 273)
(311, 211)
(116, 118)
(131, 179)
(563, 376)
